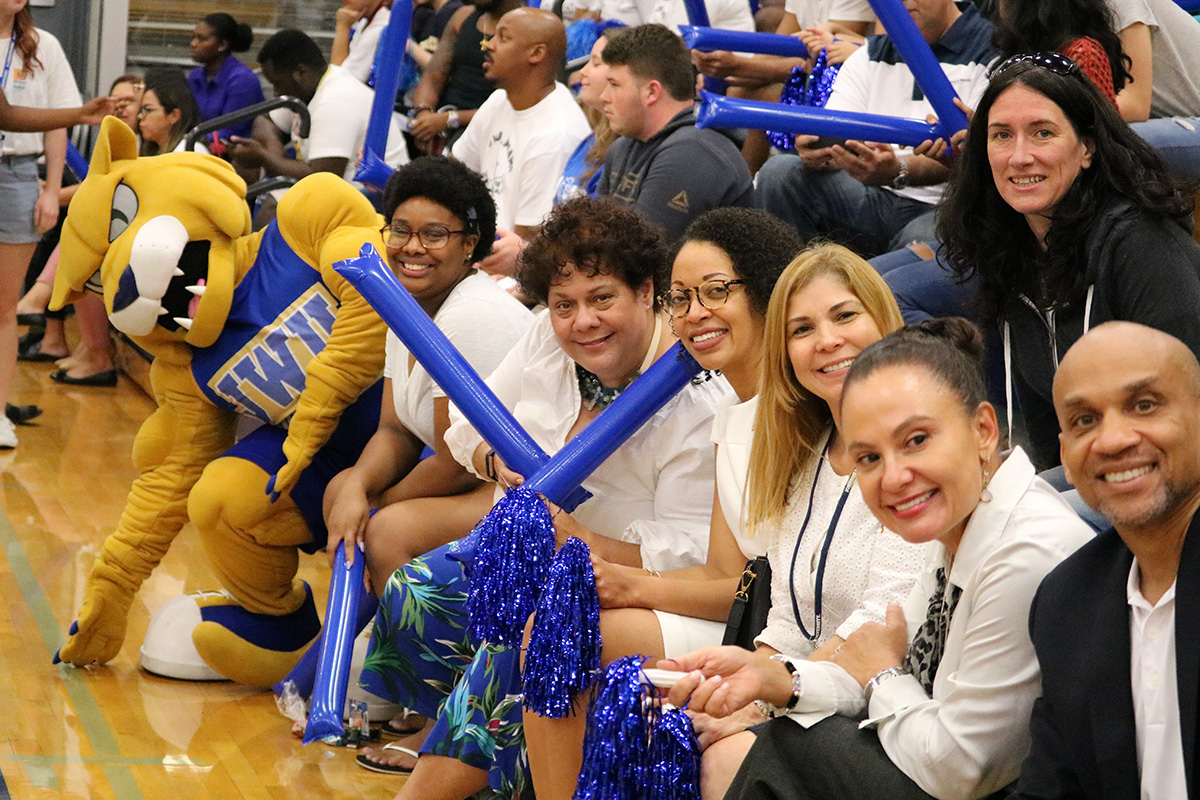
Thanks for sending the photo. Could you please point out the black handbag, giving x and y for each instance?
(751, 604)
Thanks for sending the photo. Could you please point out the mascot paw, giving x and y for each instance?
(168, 650)
(96, 637)
(254, 649)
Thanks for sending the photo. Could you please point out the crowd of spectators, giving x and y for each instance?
(943, 622)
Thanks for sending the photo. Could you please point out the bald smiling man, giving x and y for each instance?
(521, 137)
(1117, 625)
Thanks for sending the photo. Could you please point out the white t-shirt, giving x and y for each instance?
(521, 154)
(876, 87)
(733, 15)
(52, 86)
(340, 110)
(364, 43)
(654, 491)
(1174, 35)
(482, 321)
(817, 12)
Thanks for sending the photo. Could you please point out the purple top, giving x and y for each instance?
(235, 86)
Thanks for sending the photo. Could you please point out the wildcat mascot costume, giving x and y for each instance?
(239, 323)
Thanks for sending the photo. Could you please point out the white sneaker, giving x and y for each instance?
(8, 433)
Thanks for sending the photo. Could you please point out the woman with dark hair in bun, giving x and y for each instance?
(946, 685)
(222, 84)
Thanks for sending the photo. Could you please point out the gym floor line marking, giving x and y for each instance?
(86, 708)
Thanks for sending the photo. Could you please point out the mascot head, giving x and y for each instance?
(155, 236)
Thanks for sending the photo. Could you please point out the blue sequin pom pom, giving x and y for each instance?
(563, 658)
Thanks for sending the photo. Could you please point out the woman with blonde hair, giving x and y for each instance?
(833, 566)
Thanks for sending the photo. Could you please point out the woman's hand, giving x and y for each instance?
(710, 729)
(617, 584)
(348, 521)
(723, 680)
(874, 647)
(45, 211)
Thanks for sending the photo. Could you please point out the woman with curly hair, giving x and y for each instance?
(598, 268)
(1065, 219)
(724, 271)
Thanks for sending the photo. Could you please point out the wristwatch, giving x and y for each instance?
(771, 711)
(452, 120)
(880, 677)
(901, 179)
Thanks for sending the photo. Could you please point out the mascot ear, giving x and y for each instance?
(116, 143)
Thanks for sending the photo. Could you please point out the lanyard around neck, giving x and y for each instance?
(12, 44)
(837, 515)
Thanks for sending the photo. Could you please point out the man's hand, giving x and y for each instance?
(820, 158)
(869, 163)
(346, 17)
(717, 64)
(247, 153)
(874, 647)
(505, 252)
(429, 124)
(937, 149)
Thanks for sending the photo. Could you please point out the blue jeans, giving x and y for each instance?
(1177, 140)
(832, 204)
(926, 288)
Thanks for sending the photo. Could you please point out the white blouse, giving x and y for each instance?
(654, 491)
(476, 297)
(732, 433)
(968, 740)
(867, 568)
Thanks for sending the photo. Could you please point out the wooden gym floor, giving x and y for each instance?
(116, 731)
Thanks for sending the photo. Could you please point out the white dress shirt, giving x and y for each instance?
(655, 491)
(1155, 692)
(968, 740)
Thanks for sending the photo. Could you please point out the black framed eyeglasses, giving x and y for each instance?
(1055, 62)
(432, 237)
(710, 295)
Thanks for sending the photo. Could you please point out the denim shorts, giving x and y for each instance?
(18, 195)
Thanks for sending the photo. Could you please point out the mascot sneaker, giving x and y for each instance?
(168, 650)
(254, 649)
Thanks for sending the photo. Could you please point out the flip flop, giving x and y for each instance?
(394, 731)
(21, 415)
(388, 769)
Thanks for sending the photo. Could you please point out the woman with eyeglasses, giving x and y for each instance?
(442, 221)
(167, 112)
(935, 702)
(598, 267)
(1065, 219)
(724, 271)
(801, 494)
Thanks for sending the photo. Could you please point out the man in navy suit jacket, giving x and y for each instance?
(1117, 625)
